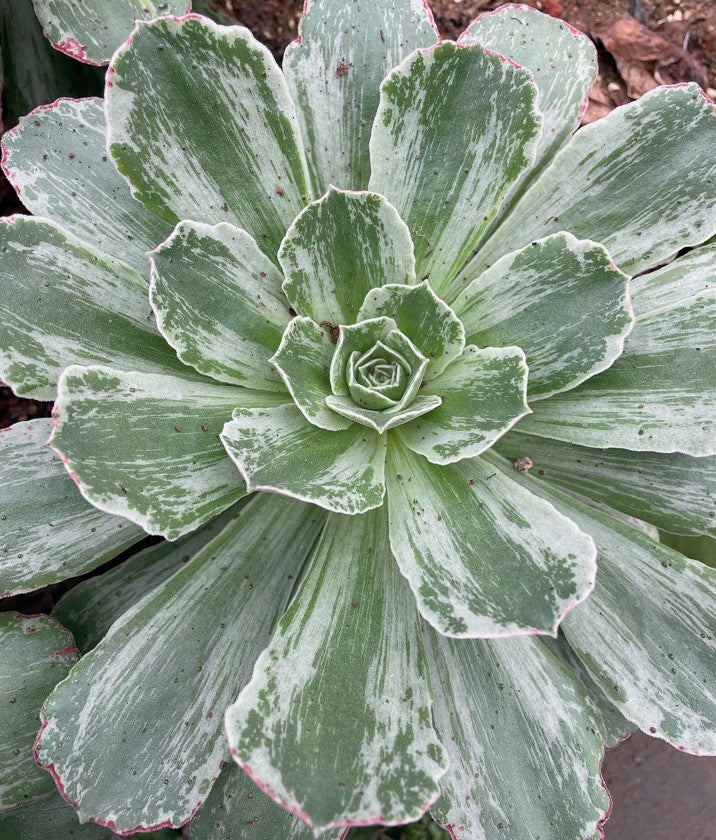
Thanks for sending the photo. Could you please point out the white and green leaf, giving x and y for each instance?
(338, 249)
(278, 450)
(49, 532)
(455, 129)
(134, 733)
(482, 393)
(337, 732)
(218, 302)
(524, 744)
(484, 557)
(334, 69)
(389, 418)
(35, 654)
(50, 816)
(673, 491)
(622, 181)
(56, 159)
(63, 302)
(147, 447)
(238, 159)
(561, 300)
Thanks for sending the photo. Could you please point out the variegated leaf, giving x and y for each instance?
(482, 395)
(92, 31)
(561, 300)
(35, 653)
(238, 159)
(236, 808)
(562, 60)
(304, 361)
(334, 70)
(49, 816)
(278, 450)
(673, 491)
(339, 733)
(681, 280)
(48, 532)
(134, 733)
(701, 548)
(341, 247)
(89, 609)
(218, 302)
(423, 317)
(646, 633)
(484, 557)
(660, 395)
(455, 129)
(147, 447)
(523, 742)
(56, 159)
(63, 302)
(601, 185)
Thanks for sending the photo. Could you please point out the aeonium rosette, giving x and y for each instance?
(370, 283)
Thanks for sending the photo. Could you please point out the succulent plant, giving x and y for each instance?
(399, 365)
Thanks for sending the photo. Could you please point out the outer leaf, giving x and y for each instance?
(146, 447)
(241, 113)
(681, 280)
(218, 302)
(56, 159)
(660, 395)
(483, 557)
(646, 632)
(675, 492)
(601, 186)
(121, 724)
(523, 742)
(63, 302)
(339, 733)
(50, 816)
(341, 247)
(304, 360)
(89, 609)
(698, 548)
(562, 301)
(49, 532)
(454, 131)
(530, 37)
(276, 449)
(334, 70)
(91, 32)
(423, 317)
(483, 395)
(35, 653)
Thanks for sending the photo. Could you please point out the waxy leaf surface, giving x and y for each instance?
(50, 816)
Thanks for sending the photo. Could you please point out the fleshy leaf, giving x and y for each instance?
(389, 418)
(147, 447)
(56, 158)
(334, 70)
(304, 359)
(338, 249)
(660, 394)
(238, 159)
(134, 734)
(561, 300)
(482, 395)
(356, 338)
(50, 816)
(523, 742)
(423, 317)
(673, 491)
(340, 733)
(218, 302)
(484, 557)
(562, 60)
(35, 653)
(601, 185)
(456, 128)
(62, 302)
(49, 532)
(277, 449)
(91, 32)
(89, 609)
(646, 632)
